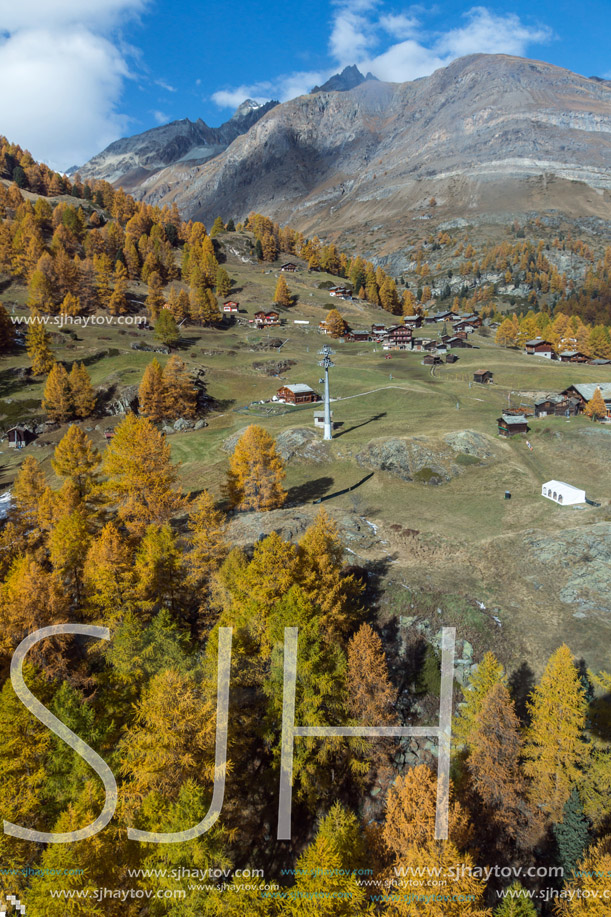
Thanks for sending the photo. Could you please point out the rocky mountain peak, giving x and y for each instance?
(349, 78)
(247, 106)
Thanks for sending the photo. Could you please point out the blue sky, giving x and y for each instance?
(84, 72)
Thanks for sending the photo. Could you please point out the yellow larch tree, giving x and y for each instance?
(58, 400)
(256, 472)
(38, 343)
(554, 750)
(141, 478)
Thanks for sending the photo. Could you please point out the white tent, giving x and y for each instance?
(562, 493)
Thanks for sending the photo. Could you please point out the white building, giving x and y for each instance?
(562, 493)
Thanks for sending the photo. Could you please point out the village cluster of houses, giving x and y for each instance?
(568, 403)
(401, 336)
(541, 348)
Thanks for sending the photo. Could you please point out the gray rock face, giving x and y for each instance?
(423, 459)
(133, 159)
(487, 134)
(579, 560)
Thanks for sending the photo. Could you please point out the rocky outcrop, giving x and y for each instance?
(425, 460)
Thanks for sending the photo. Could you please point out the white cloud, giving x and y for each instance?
(359, 27)
(400, 26)
(164, 85)
(283, 88)
(65, 76)
(160, 117)
(484, 32)
(352, 34)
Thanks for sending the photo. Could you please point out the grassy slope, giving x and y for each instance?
(472, 535)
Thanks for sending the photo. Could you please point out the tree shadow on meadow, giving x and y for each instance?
(357, 425)
(309, 491)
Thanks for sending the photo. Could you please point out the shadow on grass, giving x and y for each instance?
(309, 491)
(11, 381)
(357, 425)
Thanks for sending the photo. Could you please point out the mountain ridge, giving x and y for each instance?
(488, 134)
(130, 159)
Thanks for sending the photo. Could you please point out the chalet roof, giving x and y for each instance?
(482, 372)
(572, 353)
(513, 419)
(600, 362)
(299, 388)
(537, 341)
(586, 390)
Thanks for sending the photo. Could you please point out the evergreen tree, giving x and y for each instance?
(58, 399)
(258, 250)
(230, 225)
(38, 343)
(83, 394)
(256, 472)
(517, 903)
(166, 329)
(572, 834)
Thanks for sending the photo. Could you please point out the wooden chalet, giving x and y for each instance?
(446, 316)
(483, 376)
(599, 362)
(584, 392)
(297, 394)
(399, 337)
(267, 318)
(540, 347)
(19, 436)
(431, 359)
(340, 291)
(510, 424)
(451, 358)
(378, 329)
(358, 336)
(573, 356)
(467, 327)
(289, 268)
(412, 321)
(557, 405)
(231, 306)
